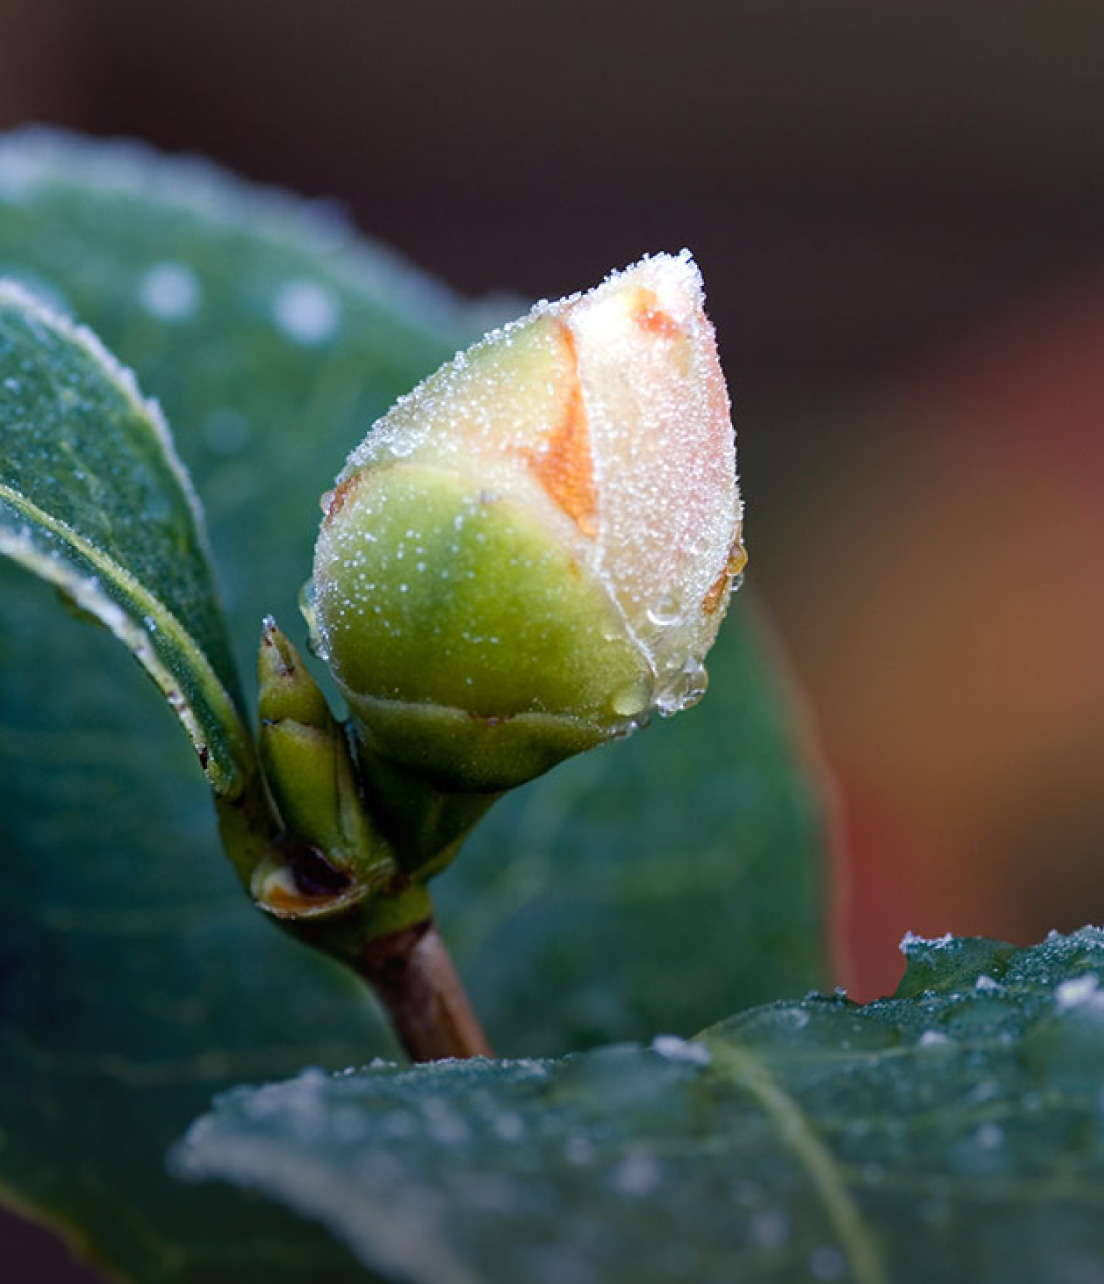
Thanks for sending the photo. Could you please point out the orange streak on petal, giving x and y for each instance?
(335, 499)
(651, 317)
(737, 560)
(564, 466)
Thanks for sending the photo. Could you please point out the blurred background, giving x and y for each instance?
(899, 211)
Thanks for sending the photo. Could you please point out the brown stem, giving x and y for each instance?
(414, 978)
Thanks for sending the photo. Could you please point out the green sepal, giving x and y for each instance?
(330, 855)
(286, 690)
(307, 762)
(426, 824)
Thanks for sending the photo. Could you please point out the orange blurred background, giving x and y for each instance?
(899, 211)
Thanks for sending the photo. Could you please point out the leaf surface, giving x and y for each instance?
(94, 499)
(955, 1135)
(651, 885)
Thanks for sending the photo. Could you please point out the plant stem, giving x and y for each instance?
(413, 976)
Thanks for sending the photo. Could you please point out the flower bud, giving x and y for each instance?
(533, 550)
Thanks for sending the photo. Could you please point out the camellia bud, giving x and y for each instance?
(532, 551)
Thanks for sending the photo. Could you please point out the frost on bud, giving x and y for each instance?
(532, 552)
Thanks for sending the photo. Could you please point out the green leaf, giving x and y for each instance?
(953, 1135)
(94, 499)
(651, 885)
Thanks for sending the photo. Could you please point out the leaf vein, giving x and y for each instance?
(827, 1178)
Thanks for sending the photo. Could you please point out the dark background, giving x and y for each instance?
(898, 211)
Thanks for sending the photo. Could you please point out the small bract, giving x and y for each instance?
(533, 550)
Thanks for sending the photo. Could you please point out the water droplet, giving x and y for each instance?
(639, 1173)
(169, 291)
(770, 1228)
(933, 1038)
(308, 609)
(673, 1048)
(682, 689)
(989, 1136)
(1076, 991)
(827, 1263)
(578, 1150)
(793, 1018)
(665, 612)
(509, 1126)
(634, 697)
(306, 311)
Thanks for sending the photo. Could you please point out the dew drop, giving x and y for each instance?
(682, 689)
(400, 446)
(508, 1126)
(827, 1263)
(634, 697)
(578, 1150)
(308, 609)
(1075, 992)
(665, 612)
(628, 728)
(770, 1228)
(169, 291)
(638, 1174)
(306, 312)
(673, 1048)
(989, 1136)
